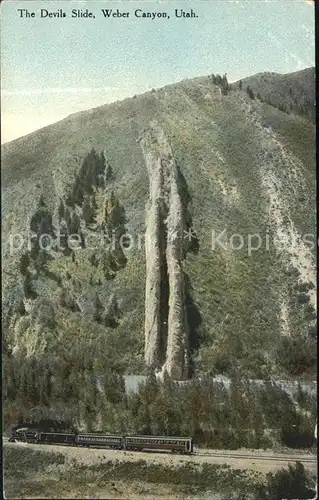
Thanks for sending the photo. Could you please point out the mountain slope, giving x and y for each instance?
(247, 173)
(293, 93)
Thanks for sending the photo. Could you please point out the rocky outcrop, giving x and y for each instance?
(165, 312)
(250, 169)
(154, 248)
(176, 353)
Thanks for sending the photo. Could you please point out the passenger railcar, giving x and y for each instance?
(174, 444)
(100, 440)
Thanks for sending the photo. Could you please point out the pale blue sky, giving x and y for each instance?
(54, 67)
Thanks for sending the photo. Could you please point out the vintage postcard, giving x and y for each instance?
(158, 249)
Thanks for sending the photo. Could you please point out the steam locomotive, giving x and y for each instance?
(133, 443)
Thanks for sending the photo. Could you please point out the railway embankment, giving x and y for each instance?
(34, 471)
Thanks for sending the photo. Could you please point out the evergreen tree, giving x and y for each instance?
(61, 210)
(98, 309)
(42, 203)
(89, 207)
(116, 220)
(109, 175)
(100, 174)
(30, 286)
(250, 93)
(224, 84)
(111, 314)
(24, 263)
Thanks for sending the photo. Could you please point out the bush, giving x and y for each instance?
(289, 483)
(296, 355)
(23, 461)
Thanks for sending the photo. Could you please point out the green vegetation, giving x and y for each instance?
(30, 473)
(216, 416)
(72, 316)
(193, 478)
(20, 462)
(292, 93)
(250, 93)
(293, 482)
(222, 82)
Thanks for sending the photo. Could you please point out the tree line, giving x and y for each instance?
(216, 416)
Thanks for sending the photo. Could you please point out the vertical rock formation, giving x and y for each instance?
(154, 261)
(165, 312)
(177, 322)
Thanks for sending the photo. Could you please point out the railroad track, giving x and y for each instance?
(280, 458)
(230, 456)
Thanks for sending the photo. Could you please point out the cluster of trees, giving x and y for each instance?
(297, 355)
(222, 82)
(249, 90)
(292, 356)
(90, 207)
(51, 323)
(221, 417)
(303, 105)
(64, 388)
(216, 416)
(96, 172)
(293, 482)
(87, 201)
(34, 260)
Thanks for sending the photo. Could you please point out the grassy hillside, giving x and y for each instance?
(292, 93)
(249, 169)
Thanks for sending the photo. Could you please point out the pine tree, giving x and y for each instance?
(98, 309)
(100, 173)
(224, 84)
(109, 175)
(111, 314)
(42, 202)
(218, 80)
(88, 208)
(24, 263)
(116, 220)
(250, 93)
(61, 210)
(116, 216)
(29, 286)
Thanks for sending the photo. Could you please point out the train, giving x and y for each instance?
(182, 445)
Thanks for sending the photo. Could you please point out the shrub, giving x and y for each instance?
(289, 483)
(296, 355)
